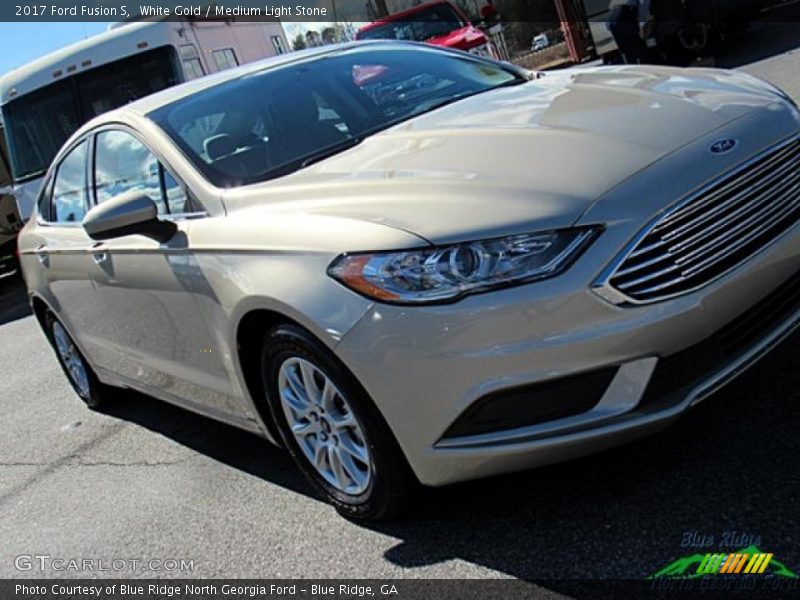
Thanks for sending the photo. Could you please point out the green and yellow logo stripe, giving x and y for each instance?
(734, 563)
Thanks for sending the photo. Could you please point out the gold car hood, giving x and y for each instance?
(529, 157)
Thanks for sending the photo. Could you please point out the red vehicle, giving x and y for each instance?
(439, 23)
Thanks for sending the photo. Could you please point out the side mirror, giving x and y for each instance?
(130, 213)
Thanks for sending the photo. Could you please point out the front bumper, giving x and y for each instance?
(425, 366)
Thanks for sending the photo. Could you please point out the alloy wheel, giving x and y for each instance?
(324, 426)
(72, 359)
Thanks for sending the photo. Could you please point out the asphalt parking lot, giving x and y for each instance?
(146, 480)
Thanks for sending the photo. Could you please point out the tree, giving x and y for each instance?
(313, 39)
(330, 36)
(346, 31)
(299, 42)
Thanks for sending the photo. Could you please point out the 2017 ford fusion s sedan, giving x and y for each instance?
(410, 265)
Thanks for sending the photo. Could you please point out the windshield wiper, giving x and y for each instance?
(465, 95)
(331, 150)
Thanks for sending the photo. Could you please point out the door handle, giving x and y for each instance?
(99, 253)
(41, 253)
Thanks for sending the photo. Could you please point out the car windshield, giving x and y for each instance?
(276, 121)
(420, 26)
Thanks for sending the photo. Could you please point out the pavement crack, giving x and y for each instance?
(63, 461)
(109, 463)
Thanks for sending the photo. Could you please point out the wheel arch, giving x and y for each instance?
(40, 309)
(253, 319)
(251, 328)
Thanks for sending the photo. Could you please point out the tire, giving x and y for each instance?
(366, 445)
(89, 389)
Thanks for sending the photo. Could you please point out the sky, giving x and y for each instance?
(22, 42)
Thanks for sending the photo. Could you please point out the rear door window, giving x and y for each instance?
(70, 190)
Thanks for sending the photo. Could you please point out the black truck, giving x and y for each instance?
(678, 31)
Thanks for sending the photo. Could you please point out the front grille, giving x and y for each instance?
(716, 230)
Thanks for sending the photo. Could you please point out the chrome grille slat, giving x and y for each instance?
(644, 265)
(651, 276)
(744, 228)
(691, 269)
(787, 210)
(737, 198)
(662, 286)
(787, 153)
(715, 230)
(758, 207)
(646, 249)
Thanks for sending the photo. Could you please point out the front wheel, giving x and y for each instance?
(78, 372)
(332, 429)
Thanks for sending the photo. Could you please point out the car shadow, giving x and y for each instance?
(13, 299)
(224, 443)
(728, 466)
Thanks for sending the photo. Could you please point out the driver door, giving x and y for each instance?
(150, 290)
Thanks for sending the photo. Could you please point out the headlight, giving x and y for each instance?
(445, 273)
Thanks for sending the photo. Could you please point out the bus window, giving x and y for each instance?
(109, 86)
(5, 173)
(225, 59)
(39, 123)
(192, 67)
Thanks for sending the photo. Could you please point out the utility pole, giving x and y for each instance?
(382, 9)
(574, 25)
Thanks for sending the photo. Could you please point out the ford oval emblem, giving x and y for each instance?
(723, 146)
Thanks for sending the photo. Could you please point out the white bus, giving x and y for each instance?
(5, 167)
(45, 101)
(8, 214)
